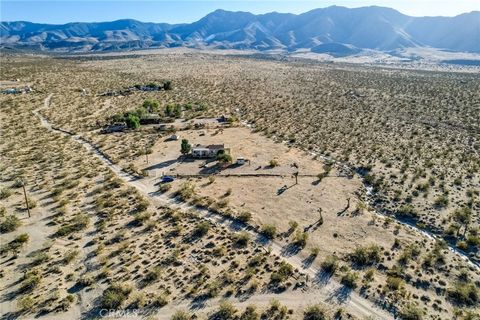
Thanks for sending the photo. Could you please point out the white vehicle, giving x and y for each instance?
(241, 160)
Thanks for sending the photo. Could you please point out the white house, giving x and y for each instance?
(210, 151)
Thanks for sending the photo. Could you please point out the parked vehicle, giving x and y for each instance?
(166, 179)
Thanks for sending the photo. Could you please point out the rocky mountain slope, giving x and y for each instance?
(347, 31)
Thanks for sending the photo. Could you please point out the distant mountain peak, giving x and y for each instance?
(334, 30)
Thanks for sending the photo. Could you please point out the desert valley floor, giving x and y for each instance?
(324, 190)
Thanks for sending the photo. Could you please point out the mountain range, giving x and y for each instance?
(338, 31)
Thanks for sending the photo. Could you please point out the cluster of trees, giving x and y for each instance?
(152, 106)
(165, 85)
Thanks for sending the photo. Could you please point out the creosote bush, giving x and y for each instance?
(315, 312)
(115, 295)
(269, 231)
(9, 223)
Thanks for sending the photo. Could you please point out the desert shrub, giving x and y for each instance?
(349, 279)
(409, 253)
(160, 300)
(394, 283)
(441, 201)
(213, 289)
(132, 121)
(241, 239)
(201, 229)
(30, 281)
(115, 295)
(150, 105)
(292, 226)
(463, 245)
(315, 312)
(224, 157)
(283, 273)
(31, 203)
(18, 183)
(164, 187)
(250, 313)
(410, 312)
(464, 293)
(142, 204)
(9, 223)
(364, 256)
(369, 275)
(15, 244)
(181, 315)
(66, 302)
(273, 163)
(300, 239)
(86, 280)
(222, 203)
(153, 274)
(26, 303)
(78, 223)
(5, 193)
(245, 216)
(226, 311)
(40, 258)
(321, 176)
(330, 264)
(269, 231)
(186, 191)
(407, 211)
(140, 218)
(70, 255)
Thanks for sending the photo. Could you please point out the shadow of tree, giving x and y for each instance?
(290, 250)
(340, 295)
(322, 277)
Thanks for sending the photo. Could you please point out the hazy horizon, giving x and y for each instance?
(190, 11)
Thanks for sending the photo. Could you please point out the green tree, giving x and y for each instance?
(224, 157)
(133, 121)
(185, 147)
(151, 105)
(173, 110)
(167, 85)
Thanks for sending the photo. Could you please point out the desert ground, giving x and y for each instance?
(381, 221)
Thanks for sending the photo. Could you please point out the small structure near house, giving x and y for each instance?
(150, 118)
(210, 151)
(241, 160)
(116, 127)
(222, 118)
(10, 91)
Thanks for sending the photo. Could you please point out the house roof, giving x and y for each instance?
(210, 147)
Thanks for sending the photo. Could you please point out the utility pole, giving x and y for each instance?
(296, 177)
(26, 199)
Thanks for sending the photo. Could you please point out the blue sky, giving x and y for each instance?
(192, 10)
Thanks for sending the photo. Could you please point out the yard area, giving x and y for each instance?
(269, 193)
(166, 157)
